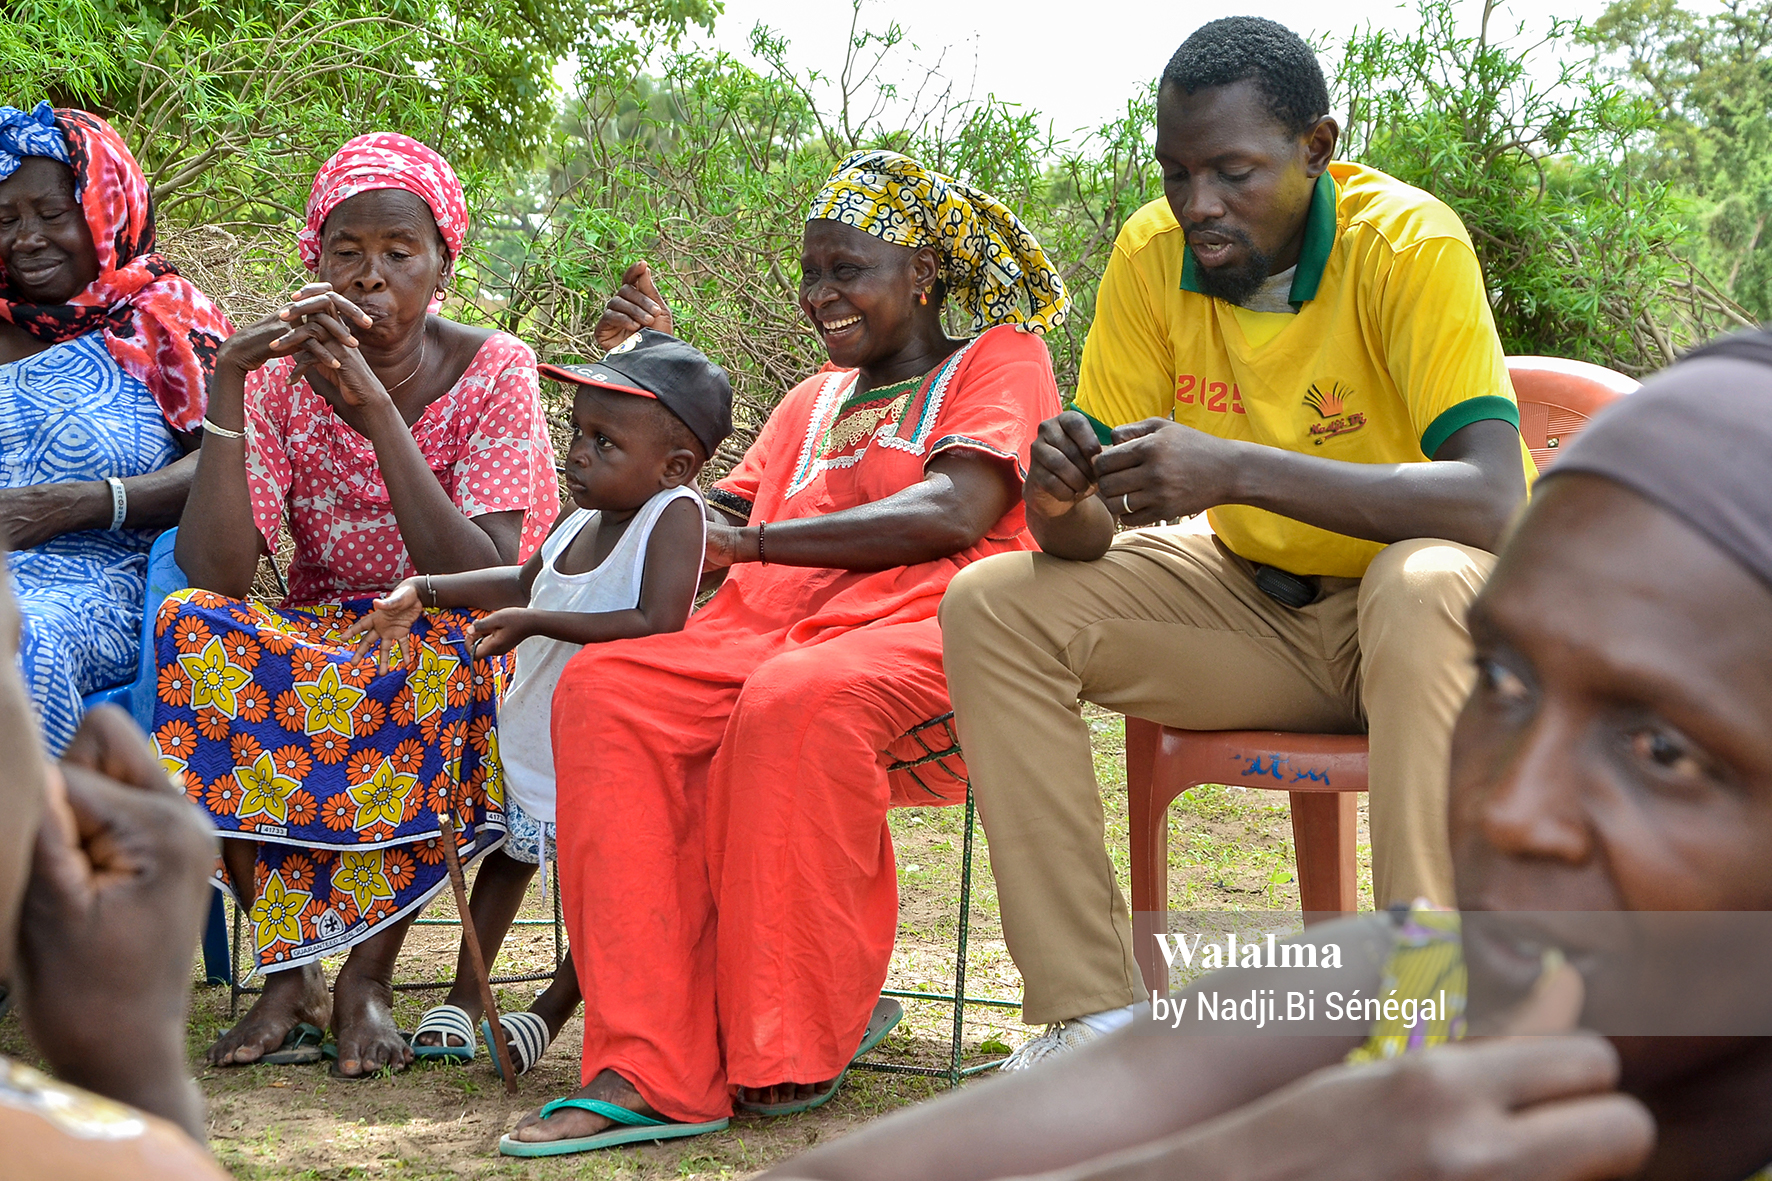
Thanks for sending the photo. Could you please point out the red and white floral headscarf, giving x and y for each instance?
(160, 329)
(385, 160)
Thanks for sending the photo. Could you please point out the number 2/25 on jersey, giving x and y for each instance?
(1215, 396)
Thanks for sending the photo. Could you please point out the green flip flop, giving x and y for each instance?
(886, 1016)
(631, 1128)
(301, 1047)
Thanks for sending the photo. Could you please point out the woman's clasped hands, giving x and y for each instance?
(317, 329)
(319, 336)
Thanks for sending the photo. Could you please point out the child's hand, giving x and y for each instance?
(499, 632)
(387, 627)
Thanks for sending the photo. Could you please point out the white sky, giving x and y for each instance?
(1076, 63)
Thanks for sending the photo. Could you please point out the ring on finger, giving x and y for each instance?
(1125, 504)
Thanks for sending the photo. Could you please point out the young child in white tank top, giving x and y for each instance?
(623, 561)
(612, 585)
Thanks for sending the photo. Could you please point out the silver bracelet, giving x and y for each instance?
(119, 502)
(220, 432)
(430, 590)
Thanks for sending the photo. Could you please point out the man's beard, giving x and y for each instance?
(1236, 282)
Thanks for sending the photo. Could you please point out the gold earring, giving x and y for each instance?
(923, 298)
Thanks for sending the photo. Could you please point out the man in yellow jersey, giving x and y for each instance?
(1305, 351)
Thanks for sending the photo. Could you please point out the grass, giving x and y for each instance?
(1229, 850)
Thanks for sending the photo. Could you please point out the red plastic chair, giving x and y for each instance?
(1320, 771)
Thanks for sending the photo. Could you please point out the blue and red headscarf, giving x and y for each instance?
(159, 328)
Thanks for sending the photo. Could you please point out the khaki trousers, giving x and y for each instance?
(1169, 626)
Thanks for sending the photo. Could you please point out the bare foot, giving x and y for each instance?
(363, 1025)
(782, 1093)
(571, 1123)
(291, 997)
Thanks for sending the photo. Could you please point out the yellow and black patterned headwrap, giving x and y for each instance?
(989, 260)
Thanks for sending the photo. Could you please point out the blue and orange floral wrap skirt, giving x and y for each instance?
(339, 773)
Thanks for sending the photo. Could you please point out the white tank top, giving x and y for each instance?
(525, 746)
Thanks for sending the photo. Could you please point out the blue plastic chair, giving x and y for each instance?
(121, 696)
(164, 577)
(137, 696)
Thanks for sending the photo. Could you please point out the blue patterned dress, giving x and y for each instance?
(69, 414)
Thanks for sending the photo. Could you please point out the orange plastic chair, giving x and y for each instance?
(1320, 771)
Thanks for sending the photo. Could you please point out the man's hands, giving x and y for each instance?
(1061, 465)
(118, 891)
(1542, 1108)
(1159, 470)
(637, 305)
(1538, 1102)
(1156, 470)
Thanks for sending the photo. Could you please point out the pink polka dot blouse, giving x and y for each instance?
(486, 441)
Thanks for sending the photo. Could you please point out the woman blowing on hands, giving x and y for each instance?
(397, 443)
(624, 562)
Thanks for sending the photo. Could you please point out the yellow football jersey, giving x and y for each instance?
(1392, 350)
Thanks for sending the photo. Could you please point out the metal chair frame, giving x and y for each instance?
(958, 998)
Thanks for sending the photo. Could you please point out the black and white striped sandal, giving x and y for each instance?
(447, 1021)
(529, 1040)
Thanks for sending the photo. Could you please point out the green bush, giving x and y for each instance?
(703, 165)
(1584, 248)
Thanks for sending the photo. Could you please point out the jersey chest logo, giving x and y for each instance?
(1333, 416)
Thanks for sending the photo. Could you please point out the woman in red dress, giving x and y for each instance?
(726, 866)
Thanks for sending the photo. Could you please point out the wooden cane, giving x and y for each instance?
(502, 1052)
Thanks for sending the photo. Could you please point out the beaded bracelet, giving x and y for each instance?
(119, 502)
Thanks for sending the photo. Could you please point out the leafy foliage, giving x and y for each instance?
(233, 104)
(1709, 81)
(1576, 193)
(705, 169)
(1578, 239)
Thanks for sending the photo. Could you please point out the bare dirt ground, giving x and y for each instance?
(1229, 850)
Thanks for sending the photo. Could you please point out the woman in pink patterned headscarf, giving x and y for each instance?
(391, 442)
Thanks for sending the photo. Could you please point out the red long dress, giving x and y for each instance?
(726, 868)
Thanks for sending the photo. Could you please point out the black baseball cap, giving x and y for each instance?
(655, 365)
